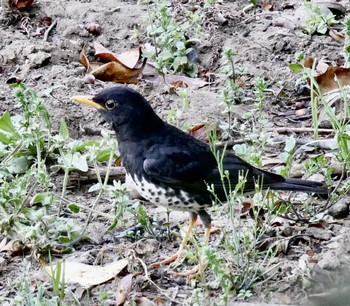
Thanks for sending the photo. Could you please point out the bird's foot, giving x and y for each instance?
(214, 230)
(190, 274)
(166, 261)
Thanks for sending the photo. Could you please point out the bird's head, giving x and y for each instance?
(122, 107)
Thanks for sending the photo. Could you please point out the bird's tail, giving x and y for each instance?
(291, 184)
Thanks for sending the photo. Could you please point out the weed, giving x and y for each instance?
(174, 115)
(317, 22)
(30, 208)
(172, 38)
(232, 91)
(238, 263)
(152, 227)
(347, 43)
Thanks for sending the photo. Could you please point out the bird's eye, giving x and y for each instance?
(110, 104)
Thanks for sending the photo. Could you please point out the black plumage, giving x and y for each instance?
(168, 166)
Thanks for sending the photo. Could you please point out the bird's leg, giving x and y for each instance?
(184, 242)
(202, 264)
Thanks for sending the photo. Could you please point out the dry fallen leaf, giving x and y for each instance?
(118, 73)
(84, 60)
(329, 80)
(131, 57)
(14, 247)
(152, 75)
(103, 53)
(115, 70)
(88, 275)
(20, 4)
(199, 132)
(143, 301)
(124, 287)
(267, 6)
(3, 243)
(128, 58)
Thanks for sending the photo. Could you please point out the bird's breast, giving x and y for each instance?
(162, 195)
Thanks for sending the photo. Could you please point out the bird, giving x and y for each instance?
(169, 167)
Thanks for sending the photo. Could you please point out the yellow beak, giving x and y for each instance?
(86, 100)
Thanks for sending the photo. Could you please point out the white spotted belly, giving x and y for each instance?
(166, 197)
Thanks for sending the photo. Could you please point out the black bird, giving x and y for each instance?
(169, 167)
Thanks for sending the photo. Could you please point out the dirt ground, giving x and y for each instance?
(266, 42)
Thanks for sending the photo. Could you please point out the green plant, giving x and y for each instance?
(30, 155)
(286, 156)
(172, 38)
(347, 42)
(174, 114)
(317, 22)
(152, 227)
(232, 91)
(238, 263)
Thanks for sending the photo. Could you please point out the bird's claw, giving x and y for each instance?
(165, 261)
(190, 274)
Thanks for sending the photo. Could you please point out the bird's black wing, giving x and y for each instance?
(180, 167)
(196, 169)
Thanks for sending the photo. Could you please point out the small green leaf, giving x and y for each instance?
(19, 165)
(4, 139)
(165, 55)
(83, 146)
(76, 161)
(113, 225)
(95, 187)
(290, 144)
(38, 198)
(283, 156)
(63, 239)
(103, 155)
(6, 123)
(296, 68)
(64, 132)
(67, 250)
(74, 208)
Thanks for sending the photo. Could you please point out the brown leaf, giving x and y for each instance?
(337, 36)
(329, 80)
(118, 73)
(95, 65)
(152, 75)
(267, 6)
(103, 53)
(84, 60)
(130, 58)
(20, 4)
(14, 247)
(179, 84)
(158, 301)
(143, 301)
(124, 287)
(199, 132)
(308, 62)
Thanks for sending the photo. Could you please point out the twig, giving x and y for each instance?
(49, 29)
(300, 130)
(115, 173)
(162, 291)
(324, 144)
(231, 142)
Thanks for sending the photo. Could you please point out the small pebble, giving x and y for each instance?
(339, 210)
(89, 79)
(94, 28)
(299, 105)
(300, 112)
